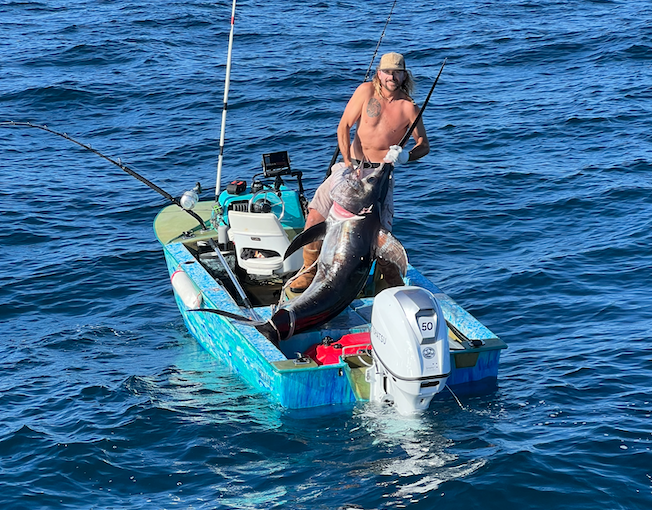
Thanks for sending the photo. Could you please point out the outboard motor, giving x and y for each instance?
(410, 349)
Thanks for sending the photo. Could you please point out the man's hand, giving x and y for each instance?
(396, 155)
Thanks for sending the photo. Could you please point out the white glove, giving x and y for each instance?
(396, 155)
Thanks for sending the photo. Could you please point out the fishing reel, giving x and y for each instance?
(190, 198)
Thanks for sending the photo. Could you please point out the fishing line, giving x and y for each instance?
(117, 163)
(366, 77)
(456, 399)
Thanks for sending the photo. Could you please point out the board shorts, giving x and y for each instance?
(322, 200)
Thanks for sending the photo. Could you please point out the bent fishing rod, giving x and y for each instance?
(366, 77)
(117, 163)
(142, 179)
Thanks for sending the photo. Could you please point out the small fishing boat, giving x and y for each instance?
(358, 339)
(351, 336)
(400, 345)
(361, 337)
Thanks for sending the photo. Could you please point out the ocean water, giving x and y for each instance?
(533, 210)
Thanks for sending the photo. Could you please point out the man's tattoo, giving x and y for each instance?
(373, 107)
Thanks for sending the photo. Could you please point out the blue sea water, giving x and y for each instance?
(533, 210)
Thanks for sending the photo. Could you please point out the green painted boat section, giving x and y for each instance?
(173, 221)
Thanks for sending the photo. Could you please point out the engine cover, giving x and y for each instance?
(410, 348)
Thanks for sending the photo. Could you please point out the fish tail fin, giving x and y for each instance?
(269, 331)
(240, 318)
(266, 328)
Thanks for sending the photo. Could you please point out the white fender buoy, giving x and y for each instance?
(186, 289)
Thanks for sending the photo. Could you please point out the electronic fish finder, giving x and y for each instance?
(276, 164)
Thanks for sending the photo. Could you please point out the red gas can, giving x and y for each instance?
(329, 351)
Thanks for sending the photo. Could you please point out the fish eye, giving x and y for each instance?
(371, 180)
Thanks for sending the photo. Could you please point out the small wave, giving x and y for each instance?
(53, 94)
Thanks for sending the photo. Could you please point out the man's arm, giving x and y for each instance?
(351, 115)
(421, 146)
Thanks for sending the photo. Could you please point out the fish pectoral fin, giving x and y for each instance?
(389, 251)
(314, 233)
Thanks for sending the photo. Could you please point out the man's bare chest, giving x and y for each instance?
(384, 114)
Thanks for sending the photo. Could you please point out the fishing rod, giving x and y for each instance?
(218, 179)
(366, 77)
(408, 133)
(142, 179)
(117, 163)
(227, 80)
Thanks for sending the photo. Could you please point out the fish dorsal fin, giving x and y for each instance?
(314, 233)
(391, 251)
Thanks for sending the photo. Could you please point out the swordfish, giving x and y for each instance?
(352, 239)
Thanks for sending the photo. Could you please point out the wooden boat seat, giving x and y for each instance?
(260, 243)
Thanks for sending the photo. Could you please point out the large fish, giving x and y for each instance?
(352, 239)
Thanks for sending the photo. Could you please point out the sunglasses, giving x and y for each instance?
(396, 73)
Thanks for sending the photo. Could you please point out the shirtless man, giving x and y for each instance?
(383, 111)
